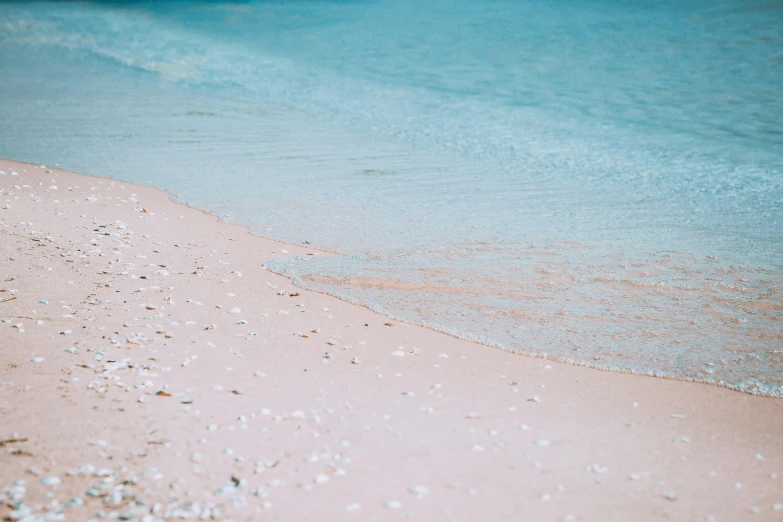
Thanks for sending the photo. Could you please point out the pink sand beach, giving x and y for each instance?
(152, 369)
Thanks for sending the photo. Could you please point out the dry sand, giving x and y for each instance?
(151, 369)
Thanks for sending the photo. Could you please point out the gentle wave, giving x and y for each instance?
(597, 182)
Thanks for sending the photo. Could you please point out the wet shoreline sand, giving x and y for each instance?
(172, 376)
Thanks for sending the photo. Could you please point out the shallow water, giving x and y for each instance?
(597, 182)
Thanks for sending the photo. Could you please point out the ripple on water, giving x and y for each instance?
(667, 314)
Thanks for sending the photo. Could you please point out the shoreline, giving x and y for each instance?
(330, 420)
(751, 388)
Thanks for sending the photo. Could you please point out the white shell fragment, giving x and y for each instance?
(50, 481)
(419, 491)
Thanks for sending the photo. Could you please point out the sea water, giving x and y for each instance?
(598, 182)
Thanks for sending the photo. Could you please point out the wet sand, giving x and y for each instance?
(152, 369)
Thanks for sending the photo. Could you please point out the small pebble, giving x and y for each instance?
(75, 502)
(419, 491)
(50, 481)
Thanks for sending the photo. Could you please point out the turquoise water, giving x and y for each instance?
(596, 182)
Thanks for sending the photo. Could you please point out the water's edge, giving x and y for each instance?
(749, 387)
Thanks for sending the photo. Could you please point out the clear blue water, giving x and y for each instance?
(597, 182)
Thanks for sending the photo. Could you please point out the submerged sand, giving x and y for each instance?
(152, 369)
